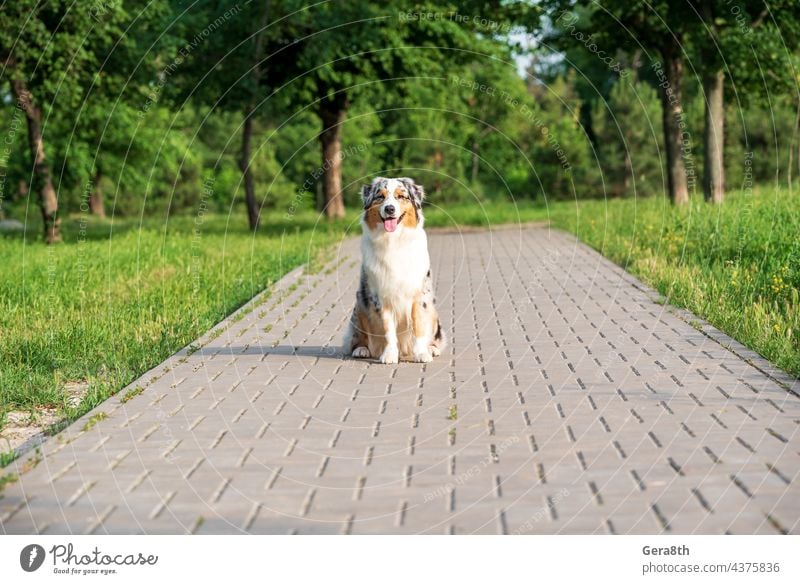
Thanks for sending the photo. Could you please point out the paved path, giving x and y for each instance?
(569, 401)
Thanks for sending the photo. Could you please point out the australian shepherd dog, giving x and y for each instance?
(395, 313)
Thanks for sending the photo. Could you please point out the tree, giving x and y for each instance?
(628, 129)
(352, 49)
(248, 53)
(94, 141)
(730, 33)
(660, 28)
(49, 51)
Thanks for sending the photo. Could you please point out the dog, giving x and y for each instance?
(395, 312)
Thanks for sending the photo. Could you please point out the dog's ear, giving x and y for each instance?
(416, 191)
(369, 191)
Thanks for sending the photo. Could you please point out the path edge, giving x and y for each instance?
(49, 435)
(788, 382)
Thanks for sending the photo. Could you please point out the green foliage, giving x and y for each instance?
(754, 43)
(57, 46)
(630, 139)
(432, 91)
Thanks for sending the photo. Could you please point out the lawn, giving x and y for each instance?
(119, 297)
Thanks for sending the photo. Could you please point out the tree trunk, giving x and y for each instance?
(96, 205)
(253, 209)
(253, 212)
(332, 111)
(713, 168)
(42, 180)
(674, 125)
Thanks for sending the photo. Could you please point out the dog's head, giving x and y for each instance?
(392, 204)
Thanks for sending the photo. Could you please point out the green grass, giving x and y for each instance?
(7, 458)
(736, 265)
(7, 479)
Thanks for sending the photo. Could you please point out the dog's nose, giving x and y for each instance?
(389, 210)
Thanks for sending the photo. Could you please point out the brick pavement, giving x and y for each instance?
(570, 400)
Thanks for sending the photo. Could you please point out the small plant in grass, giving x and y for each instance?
(32, 462)
(7, 458)
(132, 393)
(92, 421)
(7, 479)
(55, 428)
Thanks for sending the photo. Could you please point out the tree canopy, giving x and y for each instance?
(132, 107)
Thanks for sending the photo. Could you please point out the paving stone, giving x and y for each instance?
(570, 400)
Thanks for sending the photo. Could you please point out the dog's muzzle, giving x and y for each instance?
(390, 222)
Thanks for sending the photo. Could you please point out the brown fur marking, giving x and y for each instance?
(369, 332)
(418, 318)
(410, 219)
(373, 216)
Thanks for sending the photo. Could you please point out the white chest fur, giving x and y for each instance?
(396, 265)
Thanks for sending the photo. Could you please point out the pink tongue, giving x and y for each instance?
(390, 224)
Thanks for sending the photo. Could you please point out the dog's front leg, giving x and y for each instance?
(391, 354)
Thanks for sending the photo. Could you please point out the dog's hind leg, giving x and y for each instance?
(439, 340)
(356, 341)
(421, 327)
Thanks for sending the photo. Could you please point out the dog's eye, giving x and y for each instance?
(379, 198)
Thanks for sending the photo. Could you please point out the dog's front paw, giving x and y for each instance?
(422, 352)
(423, 356)
(361, 353)
(390, 355)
